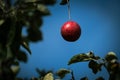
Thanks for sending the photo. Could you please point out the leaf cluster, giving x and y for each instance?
(16, 15)
(95, 63)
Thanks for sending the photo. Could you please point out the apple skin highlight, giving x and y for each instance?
(70, 31)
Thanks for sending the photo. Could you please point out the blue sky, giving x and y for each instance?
(99, 21)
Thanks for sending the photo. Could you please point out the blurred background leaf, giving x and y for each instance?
(64, 2)
(26, 46)
(48, 76)
(84, 78)
(21, 56)
(100, 78)
(43, 72)
(34, 34)
(14, 16)
(62, 72)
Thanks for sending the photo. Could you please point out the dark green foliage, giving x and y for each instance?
(94, 66)
(110, 62)
(110, 56)
(33, 78)
(14, 16)
(43, 72)
(84, 78)
(21, 56)
(113, 66)
(26, 46)
(62, 72)
(34, 35)
(83, 57)
(100, 78)
(64, 2)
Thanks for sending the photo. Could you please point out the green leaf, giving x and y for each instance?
(31, 1)
(8, 73)
(100, 78)
(84, 78)
(34, 19)
(1, 22)
(83, 57)
(25, 45)
(34, 78)
(43, 72)
(62, 72)
(29, 7)
(111, 56)
(64, 2)
(15, 69)
(49, 76)
(2, 4)
(15, 63)
(48, 2)
(21, 56)
(113, 67)
(34, 34)
(94, 66)
(5, 30)
(43, 9)
(3, 53)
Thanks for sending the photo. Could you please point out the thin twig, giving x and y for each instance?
(72, 74)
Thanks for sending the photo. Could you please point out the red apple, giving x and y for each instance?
(71, 31)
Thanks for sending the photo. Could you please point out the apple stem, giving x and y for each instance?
(68, 2)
